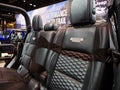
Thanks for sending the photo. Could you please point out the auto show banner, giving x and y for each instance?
(102, 8)
(56, 13)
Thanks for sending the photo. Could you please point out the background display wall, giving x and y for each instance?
(58, 13)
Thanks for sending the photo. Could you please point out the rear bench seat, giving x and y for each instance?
(27, 52)
(32, 60)
(44, 45)
(78, 58)
(10, 77)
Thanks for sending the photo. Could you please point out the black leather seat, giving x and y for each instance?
(78, 58)
(31, 42)
(35, 50)
(45, 40)
(28, 50)
(18, 77)
(33, 59)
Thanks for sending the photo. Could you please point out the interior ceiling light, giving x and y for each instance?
(24, 1)
(30, 4)
(34, 5)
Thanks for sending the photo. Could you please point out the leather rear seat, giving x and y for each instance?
(27, 54)
(32, 60)
(78, 58)
(18, 78)
(44, 45)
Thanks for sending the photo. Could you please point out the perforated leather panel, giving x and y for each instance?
(70, 71)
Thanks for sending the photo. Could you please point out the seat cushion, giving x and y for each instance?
(9, 75)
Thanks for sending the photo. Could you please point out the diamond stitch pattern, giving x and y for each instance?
(70, 71)
(62, 82)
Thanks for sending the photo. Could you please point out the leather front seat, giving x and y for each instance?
(78, 55)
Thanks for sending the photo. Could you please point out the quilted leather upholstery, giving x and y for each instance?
(70, 68)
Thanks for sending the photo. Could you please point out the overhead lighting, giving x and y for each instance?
(34, 5)
(9, 13)
(24, 1)
(30, 4)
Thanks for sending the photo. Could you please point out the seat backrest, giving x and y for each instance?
(43, 45)
(31, 41)
(76, 62)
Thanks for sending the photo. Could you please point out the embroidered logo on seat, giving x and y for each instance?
(76, 39)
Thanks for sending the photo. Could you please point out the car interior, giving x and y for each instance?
(81, 56)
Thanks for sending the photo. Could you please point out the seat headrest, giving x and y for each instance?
(37, 23)
(56, 26)
(50, 27)
(82, 12)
